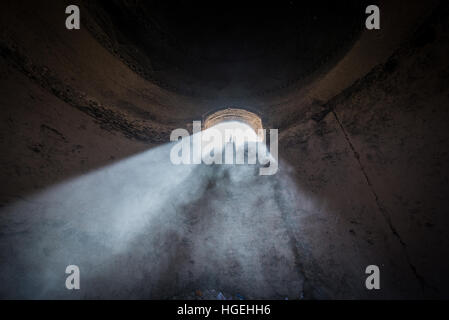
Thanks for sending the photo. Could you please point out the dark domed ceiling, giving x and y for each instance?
(226, 48)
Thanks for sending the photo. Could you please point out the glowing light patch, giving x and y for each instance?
(236, 132)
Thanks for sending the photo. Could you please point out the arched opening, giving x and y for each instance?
(234, 118)
(241, 133)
